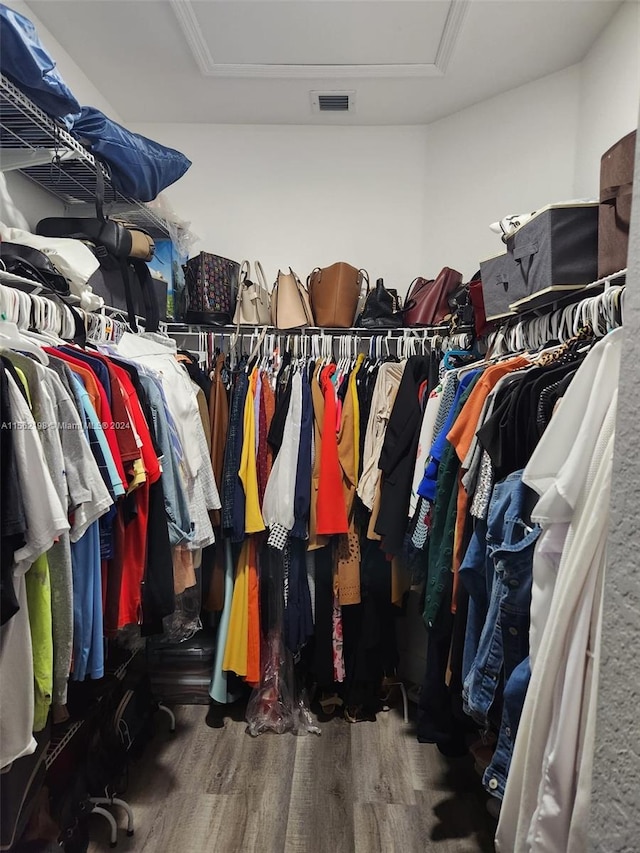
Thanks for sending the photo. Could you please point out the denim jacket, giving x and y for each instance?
(504, 640)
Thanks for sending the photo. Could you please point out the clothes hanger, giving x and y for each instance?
(11, 337)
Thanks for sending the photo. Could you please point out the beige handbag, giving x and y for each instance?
(290, 305)
(252, 305)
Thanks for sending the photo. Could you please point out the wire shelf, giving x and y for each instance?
(25, 127)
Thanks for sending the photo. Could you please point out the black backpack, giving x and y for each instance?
(124, 729)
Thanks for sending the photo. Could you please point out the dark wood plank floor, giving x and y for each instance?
(364, 788)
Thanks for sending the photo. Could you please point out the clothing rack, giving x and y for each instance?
(22, 302)
(311, 339)
(603, 312)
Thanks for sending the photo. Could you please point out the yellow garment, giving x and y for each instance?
(236, 649)
(349, 543)
(38, 586)
(248, 473)
(356, 414)
(138, 475)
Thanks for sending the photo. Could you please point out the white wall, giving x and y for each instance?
(509, 154)
(609, 94)
(27, 198)
(304, 196)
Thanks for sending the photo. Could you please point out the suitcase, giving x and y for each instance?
(109, 284)
(616, 190)
(181, 672)
(556, 248)
(497, 277)
(211, 284)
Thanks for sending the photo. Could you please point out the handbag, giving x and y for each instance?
(253, 303)
(211, 283)
(482, 326)
(334, 292)
(123, 278)
(290, 305)
(112, 237)
(382, 309)
(33, 264)
(427, 302)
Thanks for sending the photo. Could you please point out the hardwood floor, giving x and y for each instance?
(364, 788)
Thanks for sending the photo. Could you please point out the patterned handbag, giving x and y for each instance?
(211, 284)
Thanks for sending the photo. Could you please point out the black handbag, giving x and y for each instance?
(32, 264)
(382, 309)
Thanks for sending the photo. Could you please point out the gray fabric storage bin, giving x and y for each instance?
(557, 246)
(497, 275)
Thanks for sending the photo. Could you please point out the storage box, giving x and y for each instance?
(496, 275)
(181, 673)
(616, 189)
(557, 247)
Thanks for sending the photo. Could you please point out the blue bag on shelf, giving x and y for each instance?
(26, 62)
(140, 168)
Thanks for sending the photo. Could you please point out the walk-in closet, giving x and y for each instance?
(319, 347)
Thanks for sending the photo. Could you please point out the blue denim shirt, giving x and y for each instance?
(175, 500)
(504, 639)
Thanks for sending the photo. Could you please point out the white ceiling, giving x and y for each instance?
(256, 61)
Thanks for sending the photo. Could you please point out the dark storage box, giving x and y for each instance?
(497, 275)
(181, 672)
(616, 189)
(557, 247)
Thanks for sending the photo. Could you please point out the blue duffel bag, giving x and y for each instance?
(24, 60)
(140, 168)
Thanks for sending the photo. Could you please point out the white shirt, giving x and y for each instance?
(546, 802)
(424, 444)
(159, 355)
(46, 520)
(279, 495)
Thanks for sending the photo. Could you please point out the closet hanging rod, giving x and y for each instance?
(229, 331)
(562, 300)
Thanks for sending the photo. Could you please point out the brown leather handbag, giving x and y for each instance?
(427, 302)
(335, 292)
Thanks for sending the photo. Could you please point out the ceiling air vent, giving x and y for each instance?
(333, 102)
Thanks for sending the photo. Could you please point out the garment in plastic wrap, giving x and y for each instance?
(277, 704)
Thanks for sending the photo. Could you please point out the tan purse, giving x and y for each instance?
(290, 306)
(335, 292)
(253, 302)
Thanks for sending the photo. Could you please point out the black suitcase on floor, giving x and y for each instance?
(181, 672)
